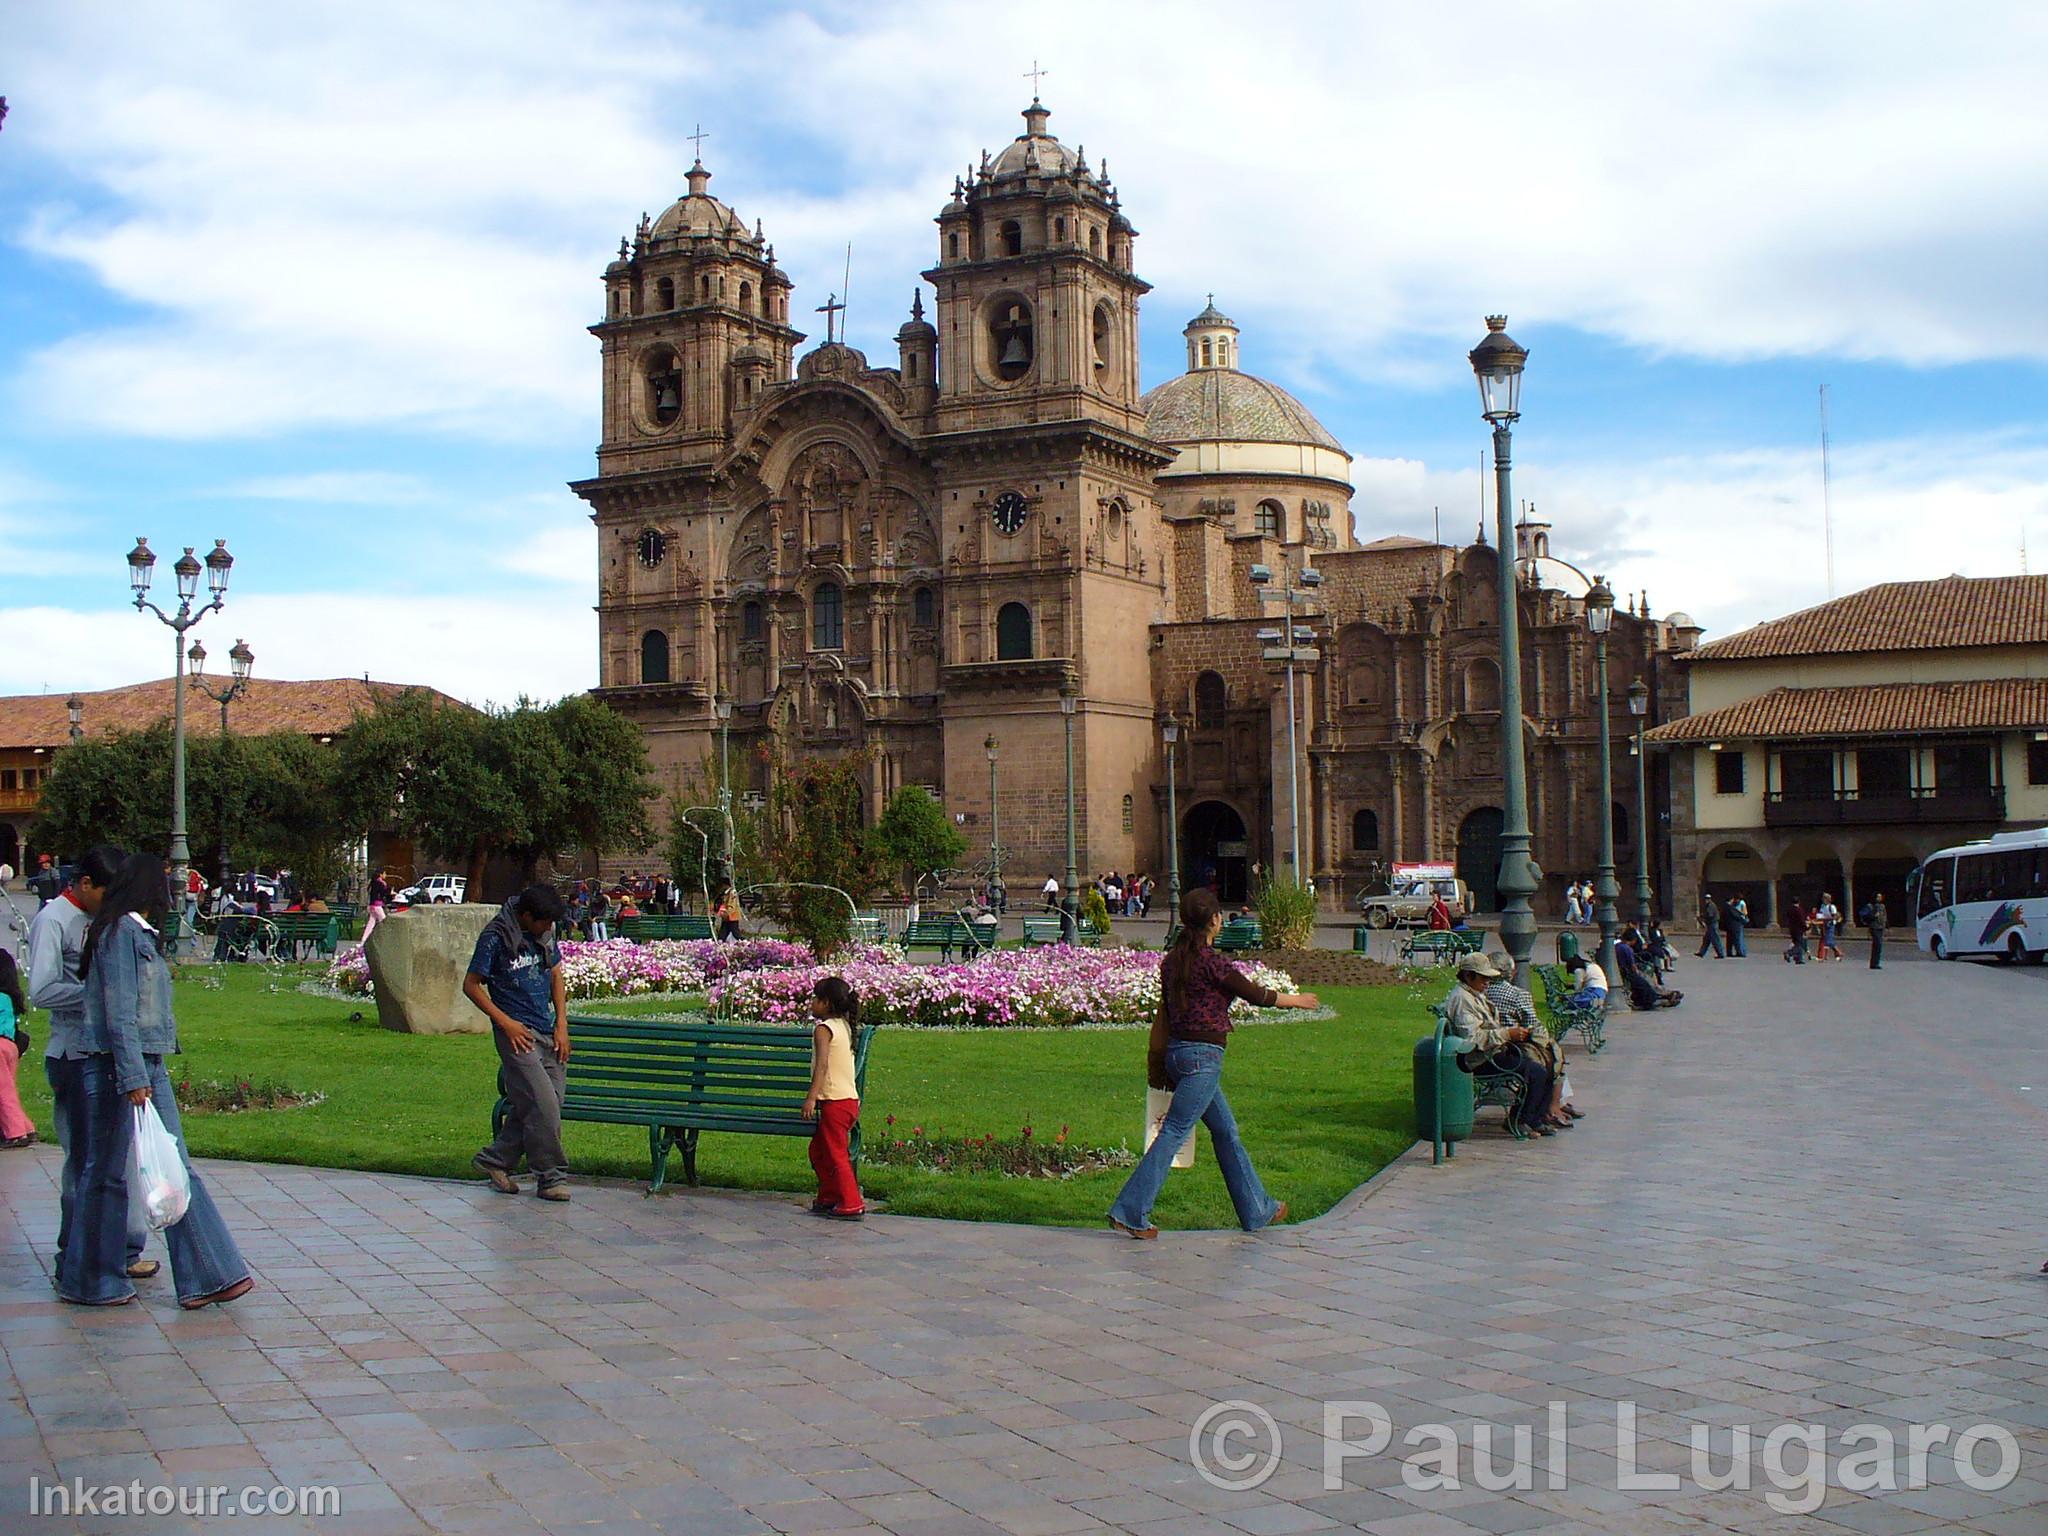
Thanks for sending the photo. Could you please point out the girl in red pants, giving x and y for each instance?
(833, 1100)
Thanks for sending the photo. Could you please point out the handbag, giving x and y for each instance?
(1157, 1102)
(156, 1170)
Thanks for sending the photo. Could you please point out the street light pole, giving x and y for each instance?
(241, 659)
(1070, 691)
(1293, 643)
(141, 566)
(1498, 362)
(1169, 727)
(995, 831)
(1599, 618)
(722, 707)
(1639, 706)
(74, 709)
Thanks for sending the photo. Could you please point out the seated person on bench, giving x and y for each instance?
(1592, 983)
(1642, 991)
(1489, 1044)
(1516, 1005)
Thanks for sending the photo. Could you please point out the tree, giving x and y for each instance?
(913, 835)
(812, 846)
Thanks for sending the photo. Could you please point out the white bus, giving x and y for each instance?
(1985, 898)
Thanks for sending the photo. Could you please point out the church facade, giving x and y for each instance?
(1002, 538)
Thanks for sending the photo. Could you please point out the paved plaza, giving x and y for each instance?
(1810, 1196)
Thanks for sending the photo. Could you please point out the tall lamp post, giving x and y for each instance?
(1070, 920)
(1169, 728)
(721, 707)
(1291, 643)
(240, 659)
(996, 892)
(74, 710)
(1599, 619)
(1498, 362)
(141, 566)
(1639, 706)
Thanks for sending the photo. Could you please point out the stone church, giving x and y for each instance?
(907, 561)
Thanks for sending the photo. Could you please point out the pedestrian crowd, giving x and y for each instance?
(1725, 924)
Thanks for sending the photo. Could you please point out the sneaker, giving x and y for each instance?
(555, 1191)
(501, 1181)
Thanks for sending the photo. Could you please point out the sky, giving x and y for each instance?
(316, 280)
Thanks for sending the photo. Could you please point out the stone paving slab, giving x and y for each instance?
(1810, 1196)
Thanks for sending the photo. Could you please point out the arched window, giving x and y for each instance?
(704, 286)
(616, 305)
(1207, 352)
(1365, 832)
(952, 247)
(1266, 519)
(924, 608)
(1620, 823)
(665, 293)
(1013, 238)
(753, 621)
(1094, 240)
(1222, 351)
(1013, 633)
(828, 617)
(747, 298)
(1212, 701)
(1059, 230)
(1482, 684)
(654, 657)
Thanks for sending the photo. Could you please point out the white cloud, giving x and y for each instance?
(388, 213)
(555, 554)
(485, 650)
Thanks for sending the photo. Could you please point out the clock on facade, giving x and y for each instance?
(652, 547)
(1009, 511)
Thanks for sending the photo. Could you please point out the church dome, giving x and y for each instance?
(1223, 405)
(697, 212)
(1034, 151)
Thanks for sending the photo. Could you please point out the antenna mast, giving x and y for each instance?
(1827, 503)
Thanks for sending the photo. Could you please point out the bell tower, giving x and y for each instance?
(1038, 306)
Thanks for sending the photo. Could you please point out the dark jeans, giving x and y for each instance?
(1711, 938)
(533, 1083)
(1797, 952)
(93, 1265)
(67, 1183)
(1738, 945)
(1877, 949)
(1515, 1061)
(1196, 1072)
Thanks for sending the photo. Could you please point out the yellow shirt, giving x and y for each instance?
(839, 1083)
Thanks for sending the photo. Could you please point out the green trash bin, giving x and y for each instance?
(1567, 947)
(1443, 1094)
(1361, 939)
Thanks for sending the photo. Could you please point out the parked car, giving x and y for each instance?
(435, 891)
(1407, 905)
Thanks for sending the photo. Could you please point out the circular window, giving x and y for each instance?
(652, 547)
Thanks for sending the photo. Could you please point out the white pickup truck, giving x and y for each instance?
(1407, 904)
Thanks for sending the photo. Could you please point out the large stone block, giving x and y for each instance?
(417, 961)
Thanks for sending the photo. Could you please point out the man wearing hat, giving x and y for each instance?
(1495, 1046)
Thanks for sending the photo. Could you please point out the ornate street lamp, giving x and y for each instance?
(1291, 643)
(1599, 619)
(1498, 362)
(74, 711)
(721, 707)
(141, 567)
(240, 660)
(1070, 698)
(1169, 728)
(996, 892)
(1639, 706)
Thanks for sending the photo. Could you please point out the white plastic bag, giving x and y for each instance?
(1157, 1102)
(156, 1171)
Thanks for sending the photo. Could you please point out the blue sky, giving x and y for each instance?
(319, 288)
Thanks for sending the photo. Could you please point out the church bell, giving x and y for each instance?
(666, 398)
(1014, 353)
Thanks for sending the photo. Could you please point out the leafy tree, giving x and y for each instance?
(913, 835)
(812, 847)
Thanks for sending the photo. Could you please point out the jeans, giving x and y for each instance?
(1738, 946)
(1711, 937)
(1196, 1072)
(1877, 949)
(67, 1184)
(1796, 953)
(533, 1082)
(92, 1267)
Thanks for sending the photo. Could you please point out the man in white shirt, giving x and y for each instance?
(1051, 892)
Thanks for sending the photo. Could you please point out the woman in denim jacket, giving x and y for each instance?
(118, 1063)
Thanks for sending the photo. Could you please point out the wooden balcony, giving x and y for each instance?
(1918, 807)
(17, 802)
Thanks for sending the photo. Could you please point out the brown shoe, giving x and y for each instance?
(144, 1269)
(241, 1287)
(1279, 1215)
(555, 1191)
(501, 1181)
(1144, 1233)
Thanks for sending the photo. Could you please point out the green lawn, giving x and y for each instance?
(1323, 1103)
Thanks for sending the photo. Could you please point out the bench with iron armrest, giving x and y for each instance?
(680, 1080)
(680, 925)
(299, 931)
(1240, 933)
(1043, 930)
(1439, 945)
(945, 934)
(1562, 1015)
(1501, 1090)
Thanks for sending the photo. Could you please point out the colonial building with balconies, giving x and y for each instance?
(1833, 749)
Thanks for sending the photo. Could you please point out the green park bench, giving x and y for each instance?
(1563, 1015)
(296, 932)
(1240, 933)
(1052, 930)
(1498, 1090)
(679, 1080)
(677, 925)
(1439, 945)
(945, 934)
(869, 930)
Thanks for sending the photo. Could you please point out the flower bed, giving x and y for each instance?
(1027, 1157)
(623, 968)
(1051, 987)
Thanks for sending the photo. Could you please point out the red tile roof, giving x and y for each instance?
(1874, 709)
(325, 707)
(1953, 611)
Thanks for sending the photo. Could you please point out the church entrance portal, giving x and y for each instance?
(1212, 842)
(1479, 856)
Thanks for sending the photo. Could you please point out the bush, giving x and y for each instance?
(1094, 909)
(1287, 914)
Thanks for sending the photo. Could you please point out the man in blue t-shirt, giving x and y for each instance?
(515, 978)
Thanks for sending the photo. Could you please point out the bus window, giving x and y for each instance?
(1935, 877)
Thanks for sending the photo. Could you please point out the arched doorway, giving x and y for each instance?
(1732, 870)
(10, 847)
(1479, 856)
(1215, 851)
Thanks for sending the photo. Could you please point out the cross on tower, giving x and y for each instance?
(698, 139)
(1033, 74)
(830, 310)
